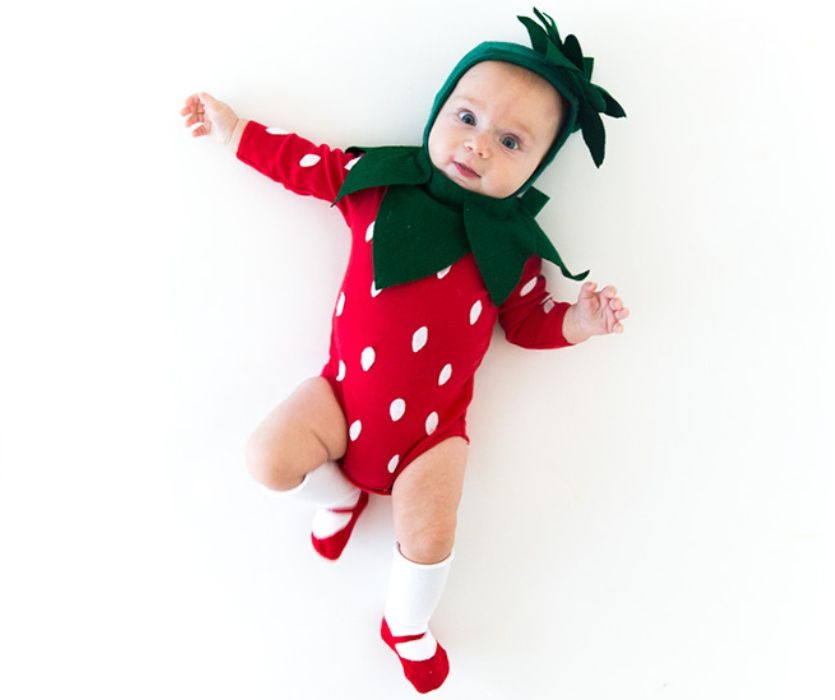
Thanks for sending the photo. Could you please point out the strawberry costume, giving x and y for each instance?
(402, 359)
(432, 268)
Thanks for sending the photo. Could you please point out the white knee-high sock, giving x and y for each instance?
(327, 487)
(413, 594)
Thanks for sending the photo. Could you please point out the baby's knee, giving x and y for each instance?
(429, 546)
(267, 465)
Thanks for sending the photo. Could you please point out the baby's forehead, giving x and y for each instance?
(525, 92)
(488, 80)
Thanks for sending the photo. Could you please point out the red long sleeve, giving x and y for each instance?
(291, 160)
(529, 316)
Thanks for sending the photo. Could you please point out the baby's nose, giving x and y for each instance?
(478, 144)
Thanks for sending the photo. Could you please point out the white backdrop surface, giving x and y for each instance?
(647, 515)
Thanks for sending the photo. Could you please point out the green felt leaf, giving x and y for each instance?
(501, 250)
(613, 109)
(550, 25)
(533, 200)
(593, 133)
(539, 39)
(398, 258)
(588, 66)
(571, 48)
(595, 97)
(545, 249)
(365, 172)
(576, 81)
(558, 58)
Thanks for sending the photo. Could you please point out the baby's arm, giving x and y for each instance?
(529, 316)
(532, 319)
(298, 164)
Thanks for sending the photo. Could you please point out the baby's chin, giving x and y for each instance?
(479, 186)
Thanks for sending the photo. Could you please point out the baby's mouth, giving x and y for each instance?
(465, 171)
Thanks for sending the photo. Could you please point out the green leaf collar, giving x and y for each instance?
(427, 222)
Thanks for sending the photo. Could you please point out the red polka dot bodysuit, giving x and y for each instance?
(402, 359)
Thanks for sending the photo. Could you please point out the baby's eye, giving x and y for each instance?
(466, 114)
(511, 142)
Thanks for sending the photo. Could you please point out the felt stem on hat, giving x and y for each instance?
(567, 59)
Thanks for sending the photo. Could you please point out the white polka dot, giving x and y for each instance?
(393, 462)
(351, 163)
(419, 338)
(277, 130)
(548, 305)
(341, 375)
(442, 273)
(309, 159)
(355, 430)
(431, 423)
(367, 358)
(397, 409)
(374, 290)
(475, 312)
(340, 303)
(369, 232)
(445, 374)
(529, 285)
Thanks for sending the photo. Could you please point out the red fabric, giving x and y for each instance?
(331, 547)
(425, 675)
(419, 331)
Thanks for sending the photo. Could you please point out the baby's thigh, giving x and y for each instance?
(303, 431)
(425, 500)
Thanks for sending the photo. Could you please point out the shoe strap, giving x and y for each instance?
(407, 638)
(347, 509)
(404, 638)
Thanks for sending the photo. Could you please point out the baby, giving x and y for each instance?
(444, 245)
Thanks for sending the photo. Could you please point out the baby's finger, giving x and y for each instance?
(587, 290)
(193, 119)
(192, 102)
(609, 291)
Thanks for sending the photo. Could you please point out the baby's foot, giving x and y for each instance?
(333, 526)
(424, 661)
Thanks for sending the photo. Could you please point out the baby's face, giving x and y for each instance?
(495, 127)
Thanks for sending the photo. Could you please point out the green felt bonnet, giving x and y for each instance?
(444, 221)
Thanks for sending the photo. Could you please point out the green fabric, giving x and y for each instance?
(427, 222)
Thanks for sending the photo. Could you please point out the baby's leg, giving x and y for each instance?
(305, 430)
(425, 501)
(294, 451)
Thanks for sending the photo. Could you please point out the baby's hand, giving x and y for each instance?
(595, 313)
(215, 117)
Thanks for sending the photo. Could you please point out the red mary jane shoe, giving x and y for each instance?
(331, 547)
(427, 674)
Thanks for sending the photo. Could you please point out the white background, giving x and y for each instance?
(647, 515)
